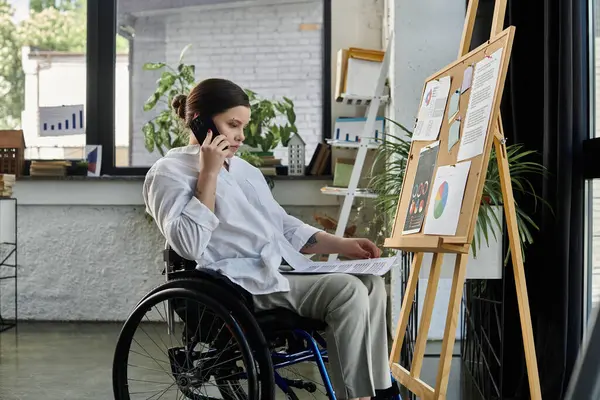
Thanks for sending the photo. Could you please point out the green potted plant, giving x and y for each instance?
(394, 151)
(264, 131)
(78, 168)
(166, 130)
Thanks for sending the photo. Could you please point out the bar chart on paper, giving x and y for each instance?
(61, 120)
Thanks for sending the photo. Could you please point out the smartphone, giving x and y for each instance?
(200, 127)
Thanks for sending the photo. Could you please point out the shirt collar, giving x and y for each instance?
(193, 149)
(190, 149)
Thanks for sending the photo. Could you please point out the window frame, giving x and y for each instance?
(590, 165)
(100, 85)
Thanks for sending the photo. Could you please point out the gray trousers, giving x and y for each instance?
(354, 309)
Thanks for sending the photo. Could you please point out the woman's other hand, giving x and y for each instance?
(359, 248)
(213, 154)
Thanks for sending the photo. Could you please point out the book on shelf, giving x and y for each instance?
(268, 171)
(48, 168)
(320, 163)
(270, 161)
(7, 182)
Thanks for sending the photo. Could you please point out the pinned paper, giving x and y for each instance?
(454, 103)
(431, 111)
(447, 195)
(420, 190)
(467, 79)
(454, 134)
(479, 109)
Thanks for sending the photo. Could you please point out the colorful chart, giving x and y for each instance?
(428, 97)
(441, 197)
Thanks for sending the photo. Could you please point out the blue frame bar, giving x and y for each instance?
(313, 354)
(312, 343)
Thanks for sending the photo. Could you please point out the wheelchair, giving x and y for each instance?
(209, 344)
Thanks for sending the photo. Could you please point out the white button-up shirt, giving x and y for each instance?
(247, 236)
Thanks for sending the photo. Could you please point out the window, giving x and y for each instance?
(273, 48)
(592, 171)
(42, 69)
(594, 243)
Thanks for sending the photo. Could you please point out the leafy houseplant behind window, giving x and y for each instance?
(167, 130)
(271, 122)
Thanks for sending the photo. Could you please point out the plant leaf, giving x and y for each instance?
(151, 102)
(182, 54)
(153, 66)
(148, 130)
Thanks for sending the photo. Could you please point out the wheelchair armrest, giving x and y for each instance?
(184, 268)
(171, 257)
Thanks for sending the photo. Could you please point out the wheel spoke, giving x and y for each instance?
(199, 369)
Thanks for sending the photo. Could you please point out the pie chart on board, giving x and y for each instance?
(441, 197)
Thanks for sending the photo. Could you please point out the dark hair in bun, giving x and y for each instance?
(209, 98)
(178, 104)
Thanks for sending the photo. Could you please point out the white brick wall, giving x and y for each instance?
(259, 47)
(149, 46)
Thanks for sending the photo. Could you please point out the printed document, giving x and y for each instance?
(371, 266)
(483, 91)
(431, 112)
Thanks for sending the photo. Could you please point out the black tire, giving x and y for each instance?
(252, 331)
(120, 361)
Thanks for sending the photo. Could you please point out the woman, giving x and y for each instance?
(217, 209)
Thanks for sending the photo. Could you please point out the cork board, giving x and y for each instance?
(460, 241)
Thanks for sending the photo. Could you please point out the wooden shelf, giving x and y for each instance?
(352, 145)
(357, 100)
(420, 243)
(337, 191)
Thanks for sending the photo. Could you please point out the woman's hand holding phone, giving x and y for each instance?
(213, 153)
(212, 157)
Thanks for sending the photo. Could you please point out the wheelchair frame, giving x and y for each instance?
(280, 359)
(301, 336)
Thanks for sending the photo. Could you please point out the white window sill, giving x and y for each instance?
(122, 191)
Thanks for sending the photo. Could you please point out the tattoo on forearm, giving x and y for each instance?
(310, 242)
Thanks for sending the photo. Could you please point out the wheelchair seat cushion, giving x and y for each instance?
(277, 320)
(282, 319)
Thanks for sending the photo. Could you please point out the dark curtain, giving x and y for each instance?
(546, 107)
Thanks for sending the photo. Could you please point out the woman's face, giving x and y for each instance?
(231, 124)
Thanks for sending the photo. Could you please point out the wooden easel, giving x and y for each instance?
(460, 243)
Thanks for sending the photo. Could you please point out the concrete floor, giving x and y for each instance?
(73, 361)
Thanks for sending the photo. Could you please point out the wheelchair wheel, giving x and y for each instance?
(202, 356)
(252, 331)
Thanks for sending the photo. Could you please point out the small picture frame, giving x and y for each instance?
(93, 156)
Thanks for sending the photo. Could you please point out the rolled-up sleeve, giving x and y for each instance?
(296, 231)
(185, 222)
